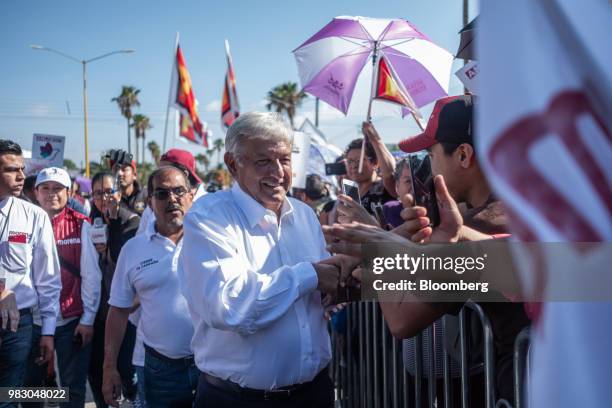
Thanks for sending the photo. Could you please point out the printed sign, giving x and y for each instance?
(468, 75)
(48, 148)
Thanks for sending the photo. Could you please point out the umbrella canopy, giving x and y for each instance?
(333, 63)
(84, 184)
(467, 47)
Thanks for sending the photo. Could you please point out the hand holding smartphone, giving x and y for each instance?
(335, 169)
(423, 188)
(351, 189)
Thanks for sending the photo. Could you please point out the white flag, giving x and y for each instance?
(544, 132)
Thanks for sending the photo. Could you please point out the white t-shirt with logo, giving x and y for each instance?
(147, 267)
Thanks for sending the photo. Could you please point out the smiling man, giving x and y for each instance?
(29, 267)
(147, 268)
(253, 280)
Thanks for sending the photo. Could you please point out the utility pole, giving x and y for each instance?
(465, 20)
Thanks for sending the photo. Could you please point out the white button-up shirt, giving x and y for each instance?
(147, 267)
(251, 289)
(28, 259)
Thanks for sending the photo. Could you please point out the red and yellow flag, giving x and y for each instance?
(389, 88)
(185, 102)
(230, 109)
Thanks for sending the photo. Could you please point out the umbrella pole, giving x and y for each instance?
(417, 121)
(369, 117)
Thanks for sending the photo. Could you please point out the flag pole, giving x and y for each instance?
(369, 117)
(227, 84)
(170, 92)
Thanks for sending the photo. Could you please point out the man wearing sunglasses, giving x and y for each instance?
(183, 160)
(147, 268)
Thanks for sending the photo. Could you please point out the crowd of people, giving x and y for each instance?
(170, 297)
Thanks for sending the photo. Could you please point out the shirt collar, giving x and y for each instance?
(253, 210)
(150, 231)
(5, 205)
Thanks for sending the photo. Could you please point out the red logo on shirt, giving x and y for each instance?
(18, 237)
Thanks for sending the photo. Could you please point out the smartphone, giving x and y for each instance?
(117, 183)
(377, 210)
(351, 189)
(423, 189)
(335, 169)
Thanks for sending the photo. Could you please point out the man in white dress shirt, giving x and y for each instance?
(29, 267)
(147, 268)
(253, 281)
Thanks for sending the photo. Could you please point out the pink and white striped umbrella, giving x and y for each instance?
(333, 63)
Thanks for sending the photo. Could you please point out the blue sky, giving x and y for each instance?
(42, 92)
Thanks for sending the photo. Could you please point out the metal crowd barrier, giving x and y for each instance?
(368, 368)
(521, 371)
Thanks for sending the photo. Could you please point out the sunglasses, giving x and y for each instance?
(103, 193)
(164, 194)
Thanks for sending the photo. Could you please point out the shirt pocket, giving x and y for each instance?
(16, 257)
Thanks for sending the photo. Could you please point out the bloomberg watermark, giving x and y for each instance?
(493, 271)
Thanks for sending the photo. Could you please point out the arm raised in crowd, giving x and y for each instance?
(228, 293)
(121, 231)
(415, 229)
(349, 258)
(386, 161)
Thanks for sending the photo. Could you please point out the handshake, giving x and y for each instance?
(339, 277)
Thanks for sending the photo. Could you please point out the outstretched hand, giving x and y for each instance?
(416, 222)
(354, 234)
(351, 211)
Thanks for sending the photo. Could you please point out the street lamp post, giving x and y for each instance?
(84, 64)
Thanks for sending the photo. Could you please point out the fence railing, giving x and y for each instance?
(368, 367)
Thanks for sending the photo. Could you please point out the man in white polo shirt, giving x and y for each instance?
(147, 268)
(29, 267)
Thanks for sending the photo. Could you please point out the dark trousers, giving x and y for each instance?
(35, 375)
(124, 363)
(73, 363)
(169, 383)
(318, 394)
(14, 352)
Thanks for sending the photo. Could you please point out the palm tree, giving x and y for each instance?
(141, 124)
(218, 146)
(127, 99)
(203, 160)
(286, 98)
(155, 151)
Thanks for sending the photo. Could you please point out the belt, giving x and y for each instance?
(183, 361)
(25, 311)
(266, 395)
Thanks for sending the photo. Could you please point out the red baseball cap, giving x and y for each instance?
(451, 121)
(182, 158)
